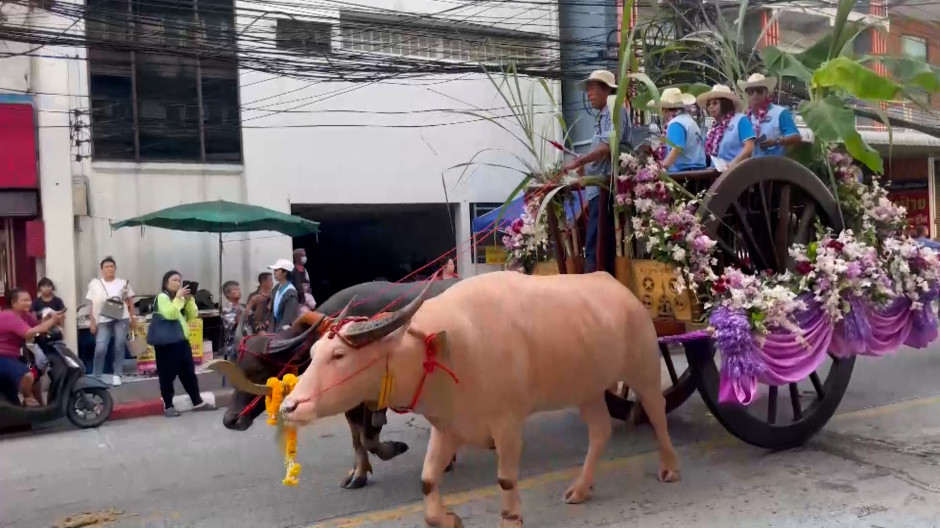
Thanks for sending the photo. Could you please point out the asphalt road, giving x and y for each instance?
(874, 465)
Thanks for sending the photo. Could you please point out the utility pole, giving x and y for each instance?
(588, 35)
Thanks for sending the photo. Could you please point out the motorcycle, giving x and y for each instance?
(83, 399)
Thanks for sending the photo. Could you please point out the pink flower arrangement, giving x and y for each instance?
(666, 226)
(525, 238)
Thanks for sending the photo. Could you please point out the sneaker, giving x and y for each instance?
(205, 406)
(170, 412)
(116, 381)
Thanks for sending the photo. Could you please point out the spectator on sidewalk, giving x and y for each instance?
(17, 326)
(302, 281)
(111, 316)
(232, 309)
(923, 238)
(46, 299)
(285, 304)
(256, 308)
(450, 270)
(175, 359)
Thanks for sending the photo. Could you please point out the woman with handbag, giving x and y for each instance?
(173, 308)
(112, 315)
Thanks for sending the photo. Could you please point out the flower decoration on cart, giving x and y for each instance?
(526, 238)
(867, 290)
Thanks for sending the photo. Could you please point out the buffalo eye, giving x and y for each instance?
(337, 355)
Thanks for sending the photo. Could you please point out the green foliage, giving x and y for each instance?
(832, 122)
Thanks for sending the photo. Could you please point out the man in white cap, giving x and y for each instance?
(773, 124)
(285, 307)
(600, 85)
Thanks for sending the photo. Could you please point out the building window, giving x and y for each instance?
(173, 106)
(914, 47)
(308, 38)
(434, 41)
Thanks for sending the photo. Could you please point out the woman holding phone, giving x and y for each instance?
(175, 305)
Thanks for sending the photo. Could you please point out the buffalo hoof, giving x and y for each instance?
(391, 450)
(669, 475)
(457, 522)
(450, 467)
(354, 481)
(578, 493)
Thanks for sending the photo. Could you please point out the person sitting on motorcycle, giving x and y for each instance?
(17, 326)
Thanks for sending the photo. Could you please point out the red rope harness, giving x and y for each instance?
(430, 363)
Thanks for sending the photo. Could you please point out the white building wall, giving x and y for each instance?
(299, 156)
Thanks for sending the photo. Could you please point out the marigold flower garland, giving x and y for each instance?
(272, 403)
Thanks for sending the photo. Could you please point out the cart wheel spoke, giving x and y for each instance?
(667, 356)
(753, 248)
(782, 238)
(772, 405)
(817, 384)
(795, 402)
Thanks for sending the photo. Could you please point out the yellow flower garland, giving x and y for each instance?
(272, 403)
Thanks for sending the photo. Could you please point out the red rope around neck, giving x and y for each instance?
(430, 363)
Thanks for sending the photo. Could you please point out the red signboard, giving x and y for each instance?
(917, 203)
(17, 147)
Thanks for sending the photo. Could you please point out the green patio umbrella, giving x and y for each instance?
(221, 217)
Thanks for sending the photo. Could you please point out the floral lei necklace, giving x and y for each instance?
(716, 133)
(757, 115)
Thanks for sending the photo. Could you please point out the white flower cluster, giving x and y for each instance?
(912, 270)
(835, 269)
(525, 237)
(767, 299)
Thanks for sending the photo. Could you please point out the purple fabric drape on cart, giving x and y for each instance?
(782, 356)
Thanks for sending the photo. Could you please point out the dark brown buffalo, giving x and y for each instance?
(265, 357)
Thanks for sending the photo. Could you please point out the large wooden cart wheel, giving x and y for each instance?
(756, 212)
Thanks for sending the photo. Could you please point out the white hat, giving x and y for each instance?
(600, 76)
(673, 98)
(719, 91)
(282, 264)
(757, 80)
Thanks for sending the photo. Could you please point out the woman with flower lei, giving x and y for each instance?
(731, 139)
(683, 148)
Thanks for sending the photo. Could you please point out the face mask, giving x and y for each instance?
(303, 260)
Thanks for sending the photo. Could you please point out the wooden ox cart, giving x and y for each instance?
(754, 212)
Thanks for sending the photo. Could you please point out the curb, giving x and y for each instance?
(143, 408)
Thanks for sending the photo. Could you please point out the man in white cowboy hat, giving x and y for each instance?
(600, 85)
(285, 306)
(772, 123)
(731, 139)
(685, 147)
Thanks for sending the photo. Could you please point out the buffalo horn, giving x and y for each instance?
(237, 376)
(342, 315)
(363, 333)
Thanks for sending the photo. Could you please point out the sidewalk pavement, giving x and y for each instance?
(140, 397)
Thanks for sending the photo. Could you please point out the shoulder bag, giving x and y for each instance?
(163, 331)
(113, 307)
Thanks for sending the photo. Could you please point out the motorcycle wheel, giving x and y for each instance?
(89, 407)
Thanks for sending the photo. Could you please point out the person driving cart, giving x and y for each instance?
(600, 85)
(17, 326)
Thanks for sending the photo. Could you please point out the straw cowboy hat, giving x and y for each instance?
(600, 76)
(719, 91)
(757, 80)
(673, 98)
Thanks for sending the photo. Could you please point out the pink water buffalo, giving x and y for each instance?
(517, 345)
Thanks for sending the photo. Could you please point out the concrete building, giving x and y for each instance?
(179, 102)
